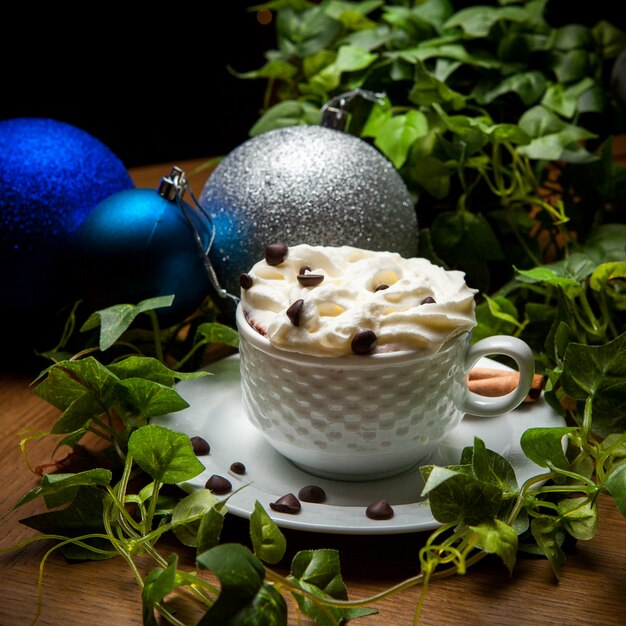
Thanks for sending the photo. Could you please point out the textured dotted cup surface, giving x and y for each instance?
(352, 417)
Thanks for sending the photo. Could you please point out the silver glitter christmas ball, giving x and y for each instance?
(305, 184)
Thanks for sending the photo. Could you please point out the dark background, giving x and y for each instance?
(152, 84)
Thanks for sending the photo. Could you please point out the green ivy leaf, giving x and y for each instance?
(268, 541)
(599, 373)
(615, 483)
(150, 369)
(349, 59)
(571, 65)
(428, 90)
(529, 86)
(210, 528)
(241, 577)
(551, 137)
(564, 99)
(465, 236)
(577, 267)
(478, 21)
(158, 583)
(605, 243)
(114, 320)
(286, 113)
(146, 399)
(397, 134)
(268, 608)
(573, 36)
(187, 515)
(63, 487)
(306, 32)
(496, 537)
(78, 415)
(167, 456)
(318, 573)
(83, 516)
(502, 309)
(490, 467)
(458, 496)
(489, 324)
(214, 332)
(320, 568)
(276, 69)
(430, 173)
(68, 380)
(579, 517)
(544, 446)
(549, 537)
(605, 273)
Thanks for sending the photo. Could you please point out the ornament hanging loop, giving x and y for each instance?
(334, 112)
(173, 187)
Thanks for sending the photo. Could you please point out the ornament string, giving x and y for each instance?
(173, 187)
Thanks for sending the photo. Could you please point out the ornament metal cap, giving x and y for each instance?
(335, 118)
(173, 185)
(334, 112)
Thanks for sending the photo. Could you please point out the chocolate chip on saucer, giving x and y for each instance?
(287, 504)
(312, 493)
(219, 485)
(380, 510)
(428, 300)
(200, 446)
(238, 468)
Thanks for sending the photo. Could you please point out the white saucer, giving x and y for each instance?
(216, 414)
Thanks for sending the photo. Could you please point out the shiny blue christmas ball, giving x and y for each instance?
(52, 175)
(136, 245)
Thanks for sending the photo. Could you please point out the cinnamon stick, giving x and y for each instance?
(494, 382)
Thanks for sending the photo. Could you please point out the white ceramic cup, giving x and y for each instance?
(367, 417)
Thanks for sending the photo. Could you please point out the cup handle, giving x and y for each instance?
(519, 351)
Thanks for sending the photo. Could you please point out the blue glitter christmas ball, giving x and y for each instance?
(136, 245)
(52, 175)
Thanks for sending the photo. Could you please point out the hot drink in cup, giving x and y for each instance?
(354, 363)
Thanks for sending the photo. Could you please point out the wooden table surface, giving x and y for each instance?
(591, 590)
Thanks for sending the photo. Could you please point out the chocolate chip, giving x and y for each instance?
(304, 269)
(310, 280)
(295, 311)
(379, 510)
(381, 287)
(364, 342)
(218, 485)
(200, 446)
(245, 281)
(312, 493)
(238, 468)
(428, 300)
(275, 253)
(287, 504)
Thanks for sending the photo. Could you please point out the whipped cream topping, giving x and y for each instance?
(409, 304)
